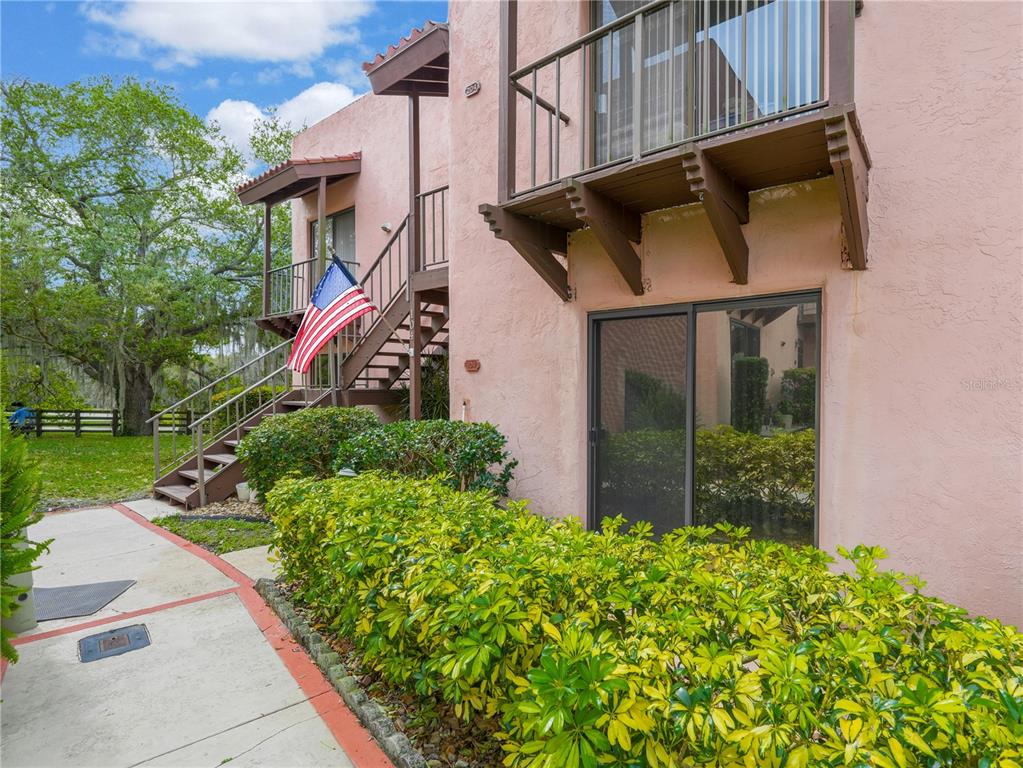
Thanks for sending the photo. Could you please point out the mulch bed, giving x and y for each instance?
(444, 739)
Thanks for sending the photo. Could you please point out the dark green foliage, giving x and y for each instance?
(734, 471)
(435, 400)
(651, 404)
(304, 442)
(244, 406)
(19, 495)
(642, 470)
(749, 393)
(611, 649)
(472, 455)
(799, 395)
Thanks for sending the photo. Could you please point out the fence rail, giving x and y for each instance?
(663, 74)
(92, 421)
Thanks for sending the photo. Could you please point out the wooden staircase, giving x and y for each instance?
(372, 369)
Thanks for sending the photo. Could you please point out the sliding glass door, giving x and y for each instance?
(722, 393)
(638, 418)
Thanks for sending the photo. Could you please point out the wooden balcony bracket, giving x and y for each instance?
(727, 207)
(850, 162)
(615, 226)
(536, 242)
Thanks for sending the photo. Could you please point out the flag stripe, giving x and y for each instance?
(315, 342)
(304, 363)
(325, 319)
(317, 317)
(336, 301)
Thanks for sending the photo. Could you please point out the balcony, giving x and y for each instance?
(670, 104)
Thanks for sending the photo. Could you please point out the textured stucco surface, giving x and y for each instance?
(921, 446)
(921, 442)
(378, 127)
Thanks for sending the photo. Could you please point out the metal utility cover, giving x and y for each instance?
(113, 642)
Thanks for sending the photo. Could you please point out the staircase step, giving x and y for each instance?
(231, 443)
(193, 474)
(177, 492)
(221, 458)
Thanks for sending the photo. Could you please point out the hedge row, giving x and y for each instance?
(318, 442)
(613, 649)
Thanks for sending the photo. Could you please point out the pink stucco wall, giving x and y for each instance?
(921, 409)
(377, 126)
(921, 439)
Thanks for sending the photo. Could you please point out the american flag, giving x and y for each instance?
(337, 301)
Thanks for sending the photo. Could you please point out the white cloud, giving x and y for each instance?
(349, 72)
(212, 83)
(183, 33)
(237, 117)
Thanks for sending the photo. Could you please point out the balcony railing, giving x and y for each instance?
(291, 286)
(664, 74)
(433, 212)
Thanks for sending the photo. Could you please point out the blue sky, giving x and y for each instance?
(229, 61)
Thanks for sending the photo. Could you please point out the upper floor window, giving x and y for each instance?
(340, 239)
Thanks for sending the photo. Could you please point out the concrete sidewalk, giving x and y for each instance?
(221, 681)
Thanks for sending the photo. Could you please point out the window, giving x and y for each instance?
(340, 239)
(705, 67)
(724, 393)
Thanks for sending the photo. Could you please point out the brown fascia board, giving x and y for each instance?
(269, 189)
(404, 62)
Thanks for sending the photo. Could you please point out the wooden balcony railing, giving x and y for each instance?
(433, 212)
(662, 75)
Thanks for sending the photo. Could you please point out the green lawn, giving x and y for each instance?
(94, 467)
(219, 536)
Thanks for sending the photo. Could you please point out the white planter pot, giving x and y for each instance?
(243, 491)
(24, 617)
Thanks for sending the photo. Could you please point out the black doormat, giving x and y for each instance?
(79, 600)
(113, 642)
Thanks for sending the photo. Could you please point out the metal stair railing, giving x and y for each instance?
(202, 401)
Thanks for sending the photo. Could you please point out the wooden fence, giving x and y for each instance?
(96, 421)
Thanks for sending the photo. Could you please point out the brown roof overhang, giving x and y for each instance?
(297, 177)
(416, 66)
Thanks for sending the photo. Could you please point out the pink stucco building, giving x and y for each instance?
(658, 240)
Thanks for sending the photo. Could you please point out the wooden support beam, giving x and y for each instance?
(267, 256)
(615, 226)
(535, 242)
(727, 207)
(851, 164)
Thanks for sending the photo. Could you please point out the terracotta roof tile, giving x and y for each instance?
(292, 163)
(412, 36)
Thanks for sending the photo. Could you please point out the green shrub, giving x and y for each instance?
(471, 455)
(799, 395)
(19, 495)
(612, 649)
(304, 442)
(245, 406)
(435, 400)
(749, 393)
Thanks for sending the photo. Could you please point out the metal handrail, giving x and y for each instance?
(727, 85)
(292, 265)
(206, 416)
(589, 37)
(213, 383)
(390, 241)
